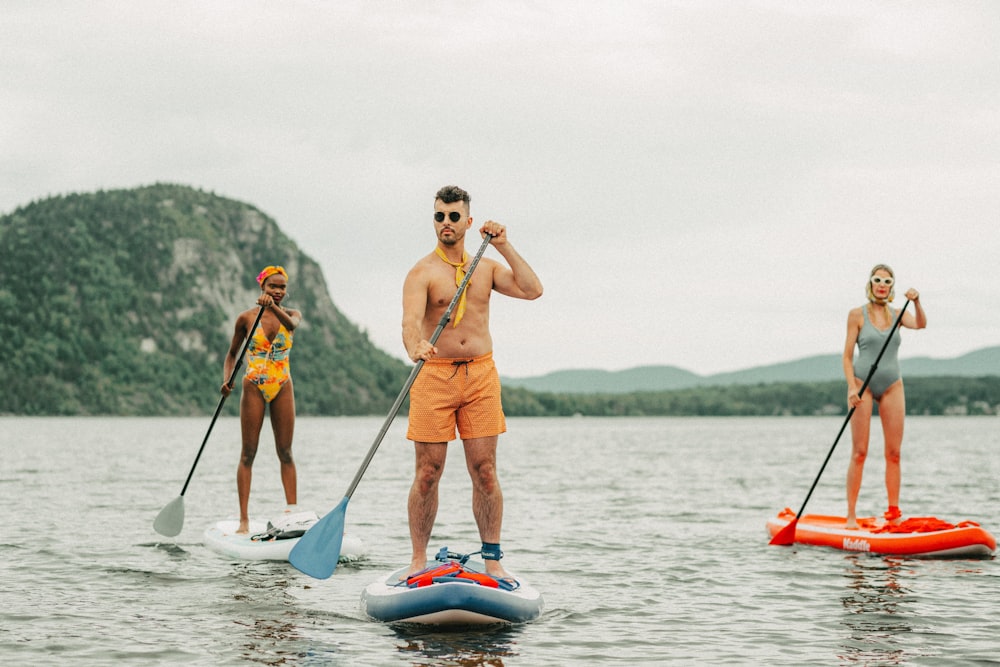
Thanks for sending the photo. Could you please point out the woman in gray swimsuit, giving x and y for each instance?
(867, 328)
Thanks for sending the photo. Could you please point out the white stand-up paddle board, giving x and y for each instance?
(272, 540)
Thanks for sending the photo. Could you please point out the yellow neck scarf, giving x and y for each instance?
(459, 275)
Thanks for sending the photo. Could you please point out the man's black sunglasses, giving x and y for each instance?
(454, 216)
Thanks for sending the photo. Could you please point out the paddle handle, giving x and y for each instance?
(850, 413)
(222, 400)
(442, 323)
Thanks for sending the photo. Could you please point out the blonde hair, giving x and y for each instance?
(868, 286)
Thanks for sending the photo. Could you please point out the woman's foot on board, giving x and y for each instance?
(893, 515)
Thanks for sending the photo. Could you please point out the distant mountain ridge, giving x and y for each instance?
(821, 368)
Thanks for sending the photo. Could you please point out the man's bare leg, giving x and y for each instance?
(487, 496)
(422, 504)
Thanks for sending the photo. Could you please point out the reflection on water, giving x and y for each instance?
(464, 647)
(271, 641)
(270, 619)
(172, 549)
(877, 611)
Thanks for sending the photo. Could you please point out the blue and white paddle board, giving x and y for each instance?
(461, 596)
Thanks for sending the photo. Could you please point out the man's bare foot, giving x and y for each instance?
(495, 569)
(416, 565)
(851, 523)
(244, 527)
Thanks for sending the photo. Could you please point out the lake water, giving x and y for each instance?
(645, 536)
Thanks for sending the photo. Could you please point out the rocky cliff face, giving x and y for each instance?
(123, 302)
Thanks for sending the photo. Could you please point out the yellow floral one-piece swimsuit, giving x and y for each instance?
(267, 361)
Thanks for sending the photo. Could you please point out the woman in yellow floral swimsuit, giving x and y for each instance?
(267, 385)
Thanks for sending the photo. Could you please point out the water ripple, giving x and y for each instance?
(645, 536)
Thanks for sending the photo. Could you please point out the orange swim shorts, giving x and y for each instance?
(450, 393)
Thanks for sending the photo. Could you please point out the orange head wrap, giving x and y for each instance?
(270, 271)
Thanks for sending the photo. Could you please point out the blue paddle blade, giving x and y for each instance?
(318, 550)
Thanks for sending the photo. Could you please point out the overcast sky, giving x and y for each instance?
(700, 184)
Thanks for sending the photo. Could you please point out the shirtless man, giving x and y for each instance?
(458, 385)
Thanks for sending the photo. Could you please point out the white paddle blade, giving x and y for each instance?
(170, 520)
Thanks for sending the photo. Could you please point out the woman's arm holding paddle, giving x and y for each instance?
(288, 317)
(917, 319)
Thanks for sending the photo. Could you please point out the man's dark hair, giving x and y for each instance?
(450, 194)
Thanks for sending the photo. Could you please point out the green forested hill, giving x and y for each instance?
(123, 302)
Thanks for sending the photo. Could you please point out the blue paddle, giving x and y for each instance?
(170, 520)
(318, 550)
(786, 536)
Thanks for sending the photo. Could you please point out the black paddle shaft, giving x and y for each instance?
(222, 400)
(850, 412)
(445, 318)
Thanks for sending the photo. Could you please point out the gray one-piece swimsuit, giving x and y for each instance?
(870, 342)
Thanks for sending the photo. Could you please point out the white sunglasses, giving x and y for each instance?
(879, 280)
